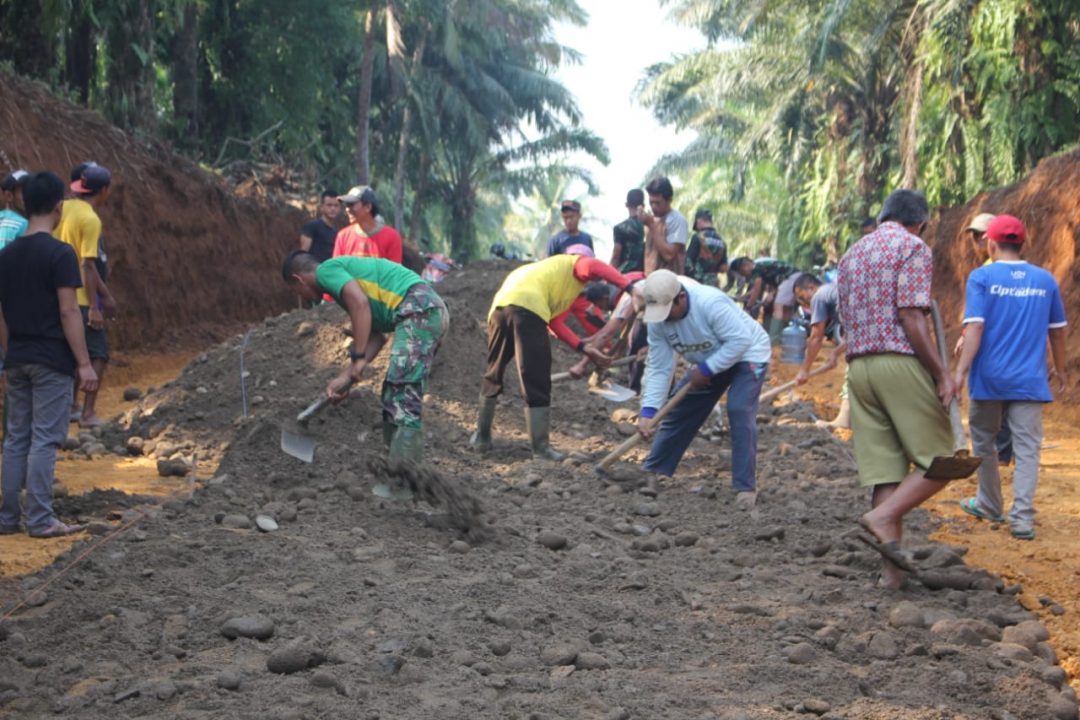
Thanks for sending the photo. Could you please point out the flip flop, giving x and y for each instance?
(971, 507)
(889, 550)
(1028, 534)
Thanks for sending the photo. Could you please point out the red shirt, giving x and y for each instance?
(351, 240)
(887, 270)
(388, 242)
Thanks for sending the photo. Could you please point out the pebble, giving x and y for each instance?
(132, 394)
(37, 598)
(1012, 651)
(551, 540)
(294, 658)
(907, 614)
(423, 648)
(591, 661)
(1062, 708)
(265, 523)
(325, 680)
(35, 660)
(686, 539)
(259, 627)
(814, 706)
(135, 445)
(499, 648)
(172, 468)
(165, 690)
(1053, 675)
(460, 547)
(768, 533)
(559, 655)
(883, 647)
(800, 653)
(236, 522)
(618, 713)
(647, 509)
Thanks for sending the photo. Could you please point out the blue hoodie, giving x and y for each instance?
(715, 335)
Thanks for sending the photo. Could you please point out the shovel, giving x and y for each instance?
(960, 464)
(770, 394)
(557, 377)
(296, 441)
(633, 440)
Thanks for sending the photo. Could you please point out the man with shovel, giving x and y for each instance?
(381, 297)
(532, 297)
(726, 349)
(899, 386)
(1010, 309)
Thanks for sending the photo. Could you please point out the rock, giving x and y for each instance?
(259, 627)
(828, 636)
(37, 598)
(1022, 634)
(653, 543)
(463, 657)
(35, 660)
(1062, 708)
(265, 523)
(135, 445)
(800, 653)
(1053, 675)
(551, 540)
(132, 394)
(1046, 653)
(70, 443)
(559, 654)
(964, 631)
(821, 549)
(423, 648)
(591, 661)
(619, 713)
(294, 658)
(814, 706)
(98, 527)
(96, 450)
(323, 679)
(1012, 651)
(768, 533)
(499, 648)
(460, 547)
(165, 690)
(172, 468)
(626, 429)
(948, 579)
(647, 509)
(228, 680)
(907, 614)
(236, 522)
(305, 329)
(883, 646)
(686, 539)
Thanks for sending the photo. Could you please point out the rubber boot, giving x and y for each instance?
(538, 423)
(408, 444)
(481, 439)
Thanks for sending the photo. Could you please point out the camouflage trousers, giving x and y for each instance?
(421, 321)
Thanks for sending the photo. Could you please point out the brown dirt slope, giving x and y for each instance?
(190, 260)
(1048, 201)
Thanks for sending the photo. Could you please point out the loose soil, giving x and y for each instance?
(585, 600)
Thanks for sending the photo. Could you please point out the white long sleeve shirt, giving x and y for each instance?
(715, 334)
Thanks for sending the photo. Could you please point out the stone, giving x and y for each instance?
(907, 614)
(1046, 653)
(1062, 708)
(165, 690)
(1022, 634)
(591, 661)
(460, 547)
(423, 648)
(264, 523)
(686, 539)
(259, 627)
(228, 680)
(1053, 675)
(236, 522)
(800, 653)
(883, 646)
(559, 654)
(647, 509)
(172, 468)
(132, 394)
(294, 658)
(37, 598)
(768, 533)
(815, 706)
(551, 540)
(325, 680)
(135, 445)
(1012, 651)
(964, 631)
(619, 713)
(35, 660)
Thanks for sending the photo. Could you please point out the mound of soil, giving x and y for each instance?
(1048, 202)
(190, 260)
(586, 600)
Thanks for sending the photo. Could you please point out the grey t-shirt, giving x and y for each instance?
(677, 232)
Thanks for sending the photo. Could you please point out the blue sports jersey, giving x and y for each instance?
(1017, 302)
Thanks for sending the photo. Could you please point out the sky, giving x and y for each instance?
(621, 39)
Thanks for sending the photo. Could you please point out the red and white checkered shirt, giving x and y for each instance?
(887, 270)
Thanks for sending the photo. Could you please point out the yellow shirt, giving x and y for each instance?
(80, 227)
(547, 287)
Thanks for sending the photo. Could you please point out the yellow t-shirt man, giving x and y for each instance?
(80, 227)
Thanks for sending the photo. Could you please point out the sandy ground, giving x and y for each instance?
(579, 598)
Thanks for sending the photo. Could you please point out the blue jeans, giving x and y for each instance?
(38, 407)
(677, 430)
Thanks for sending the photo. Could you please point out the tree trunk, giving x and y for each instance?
(23, 38)
(419, 196)
(79, 51)
(363, 103)
(909, 135)
(462, 230)
(185, 60)
(130, 74)
(406, 132)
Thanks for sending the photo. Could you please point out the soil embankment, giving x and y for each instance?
(588, 600)
(190, 261)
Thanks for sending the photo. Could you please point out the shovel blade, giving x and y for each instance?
(301, 447)
(612, 391)
(954, 467)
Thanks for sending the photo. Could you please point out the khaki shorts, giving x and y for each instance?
(896, 418)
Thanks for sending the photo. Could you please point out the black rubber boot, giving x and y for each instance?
(538, 422)
(481, 439)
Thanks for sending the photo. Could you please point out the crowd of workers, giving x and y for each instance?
(668, 296)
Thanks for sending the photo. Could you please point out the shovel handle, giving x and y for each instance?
(636, 438)
(316, 407)
(618, 363)
(770, 394)
(959, 438)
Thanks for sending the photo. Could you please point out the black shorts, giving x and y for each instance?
(96, 344)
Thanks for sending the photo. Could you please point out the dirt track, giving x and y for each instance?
(677, 607)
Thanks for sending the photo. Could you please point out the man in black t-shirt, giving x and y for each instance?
(42, 329)
(317, 236)
(628, 251)
(706, 256)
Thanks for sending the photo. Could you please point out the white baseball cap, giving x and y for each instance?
(660, 290)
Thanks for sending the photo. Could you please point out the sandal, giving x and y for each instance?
(57, 529)
(1023, 533)
(889, 550)
(971, 507)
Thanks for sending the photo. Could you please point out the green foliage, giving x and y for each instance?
(848, 99)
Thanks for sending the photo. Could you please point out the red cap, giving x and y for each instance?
(1006, 229)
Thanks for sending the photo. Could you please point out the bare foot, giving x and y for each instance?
(90, 421)
(892, 577)
(883, 531)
